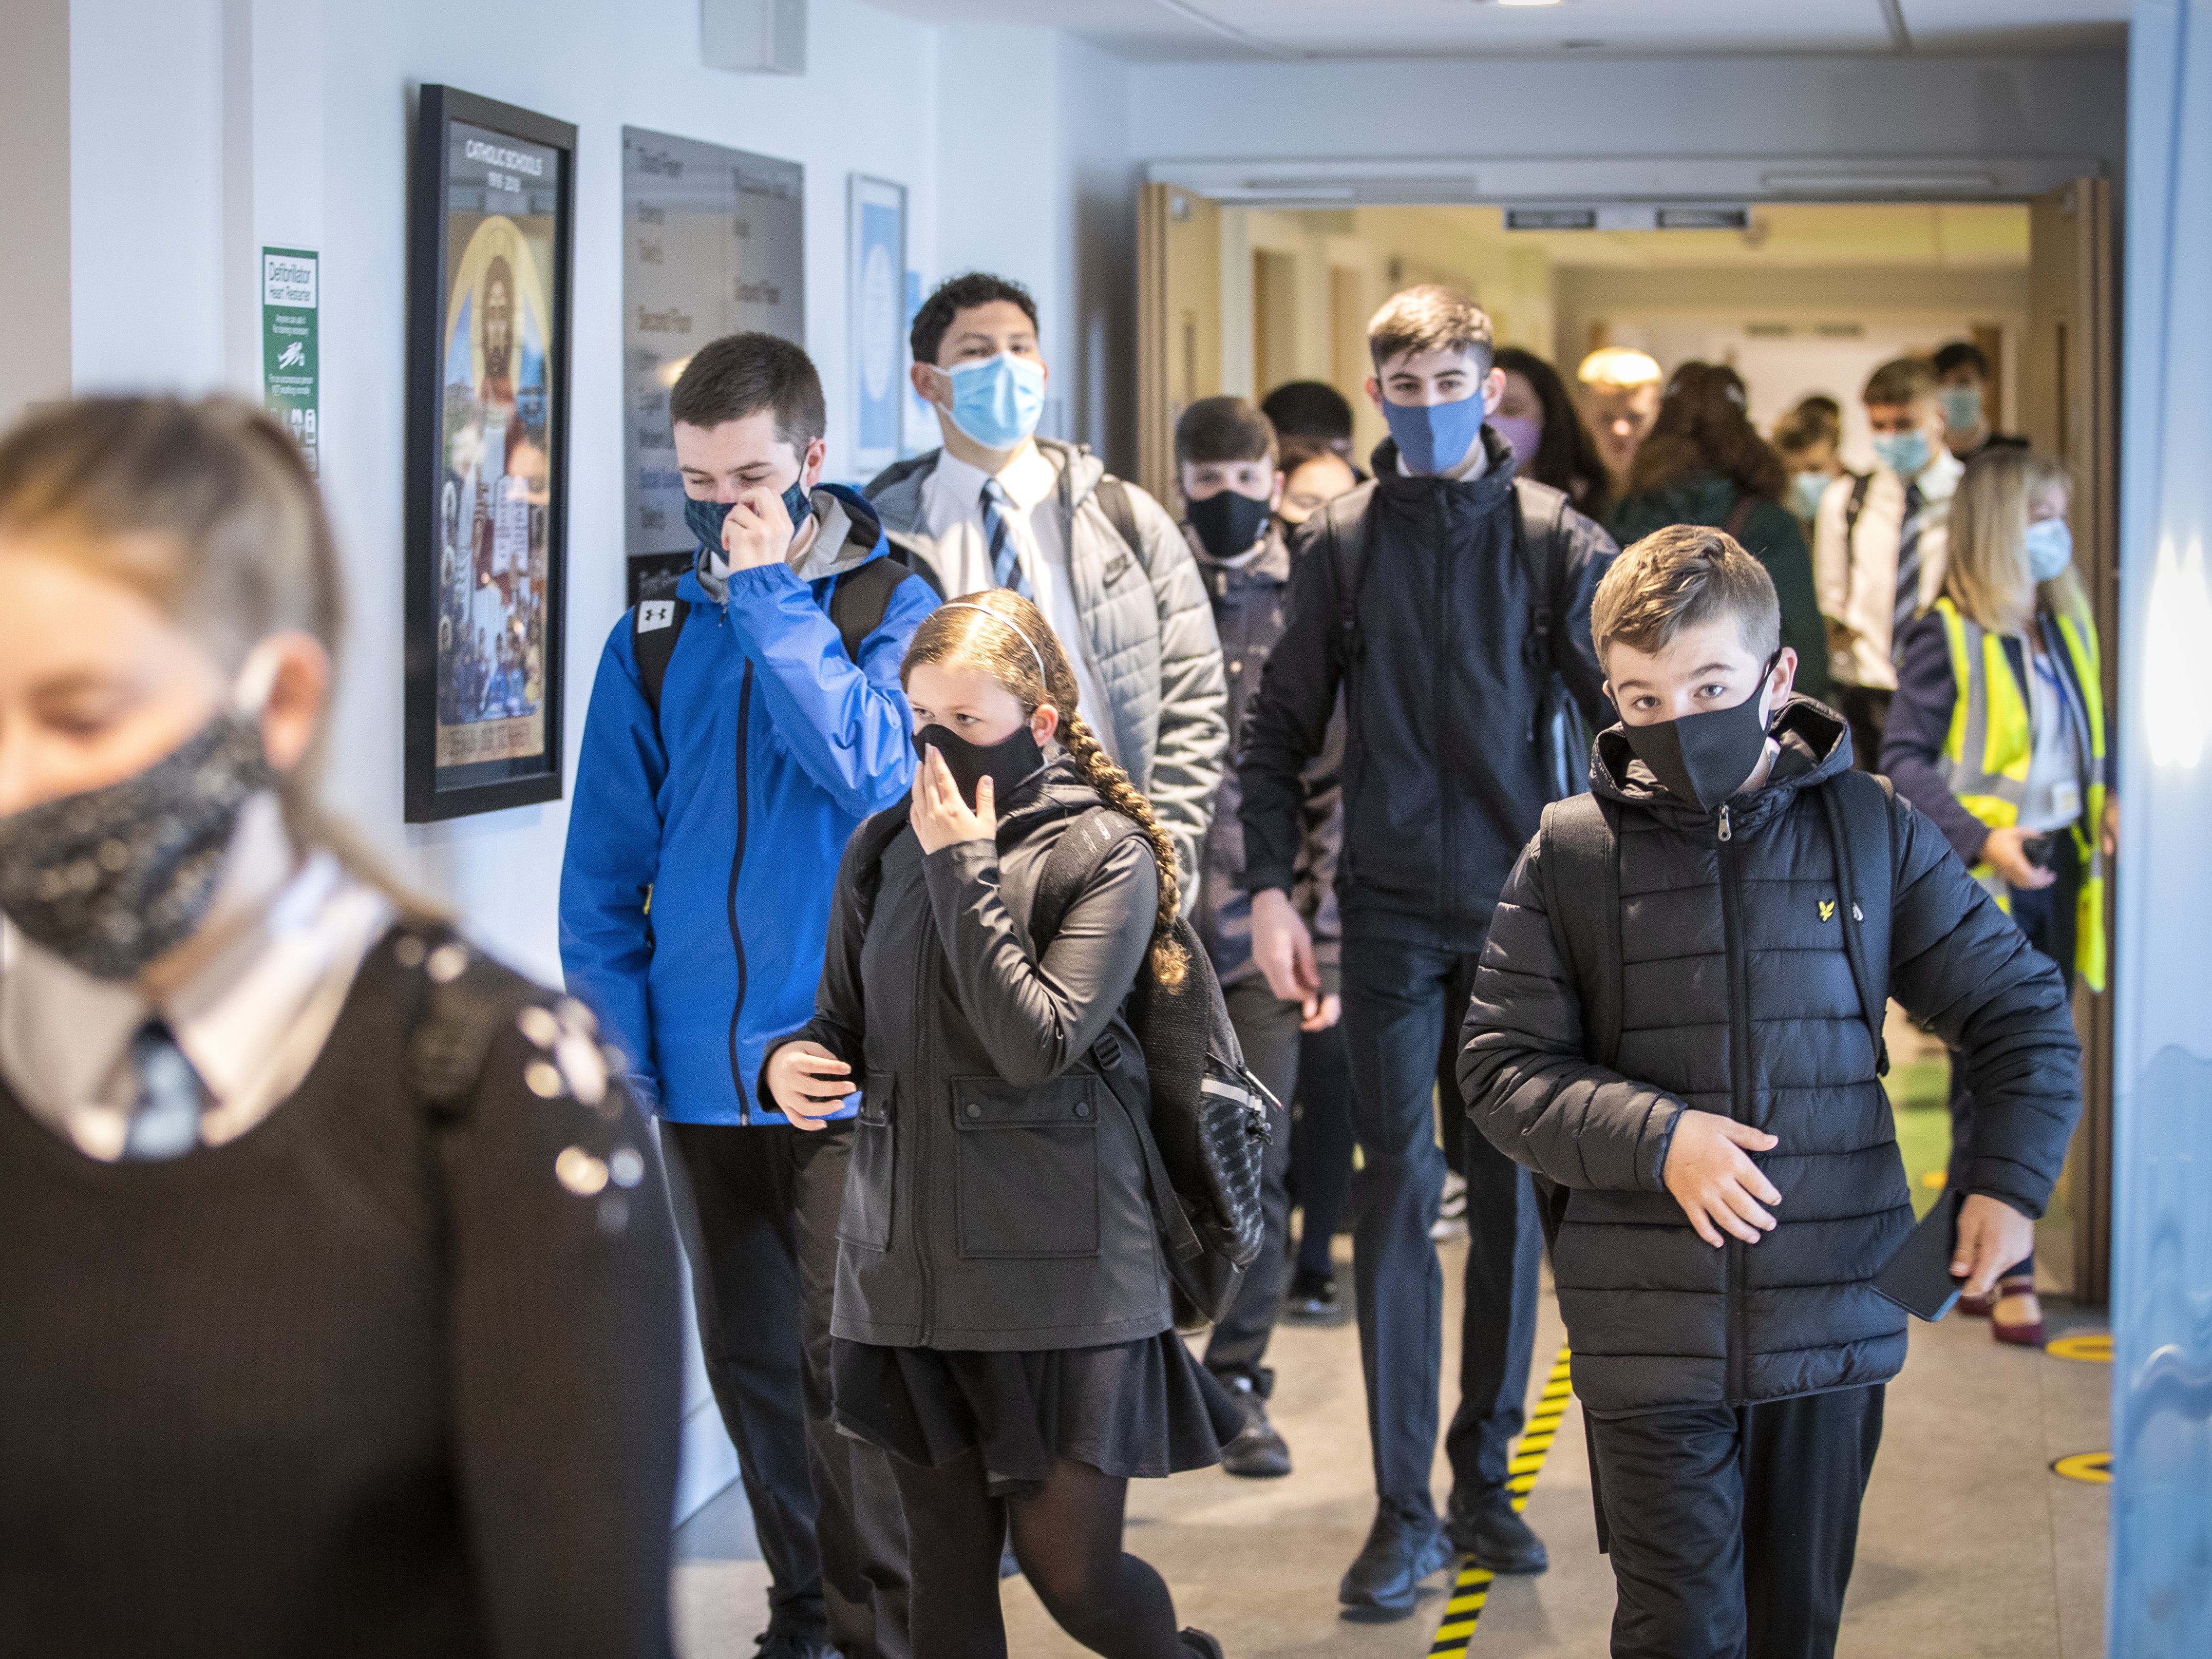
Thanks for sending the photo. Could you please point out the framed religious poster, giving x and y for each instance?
(713, 242)
(491, 216)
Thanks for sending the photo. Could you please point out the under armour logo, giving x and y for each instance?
(1827, 909)
(654, 614)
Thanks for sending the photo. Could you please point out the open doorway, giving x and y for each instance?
(1799, 297)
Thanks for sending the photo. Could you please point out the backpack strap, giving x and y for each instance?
(654, 628)
(1739, 516)
(1545, 559)
(1860, 482)
(1069, 868)
(1113, 496)
(1347, 561)
(859, 600)
(1857, 805)
(1580, 857)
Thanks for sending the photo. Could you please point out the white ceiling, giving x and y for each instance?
(1164, 31)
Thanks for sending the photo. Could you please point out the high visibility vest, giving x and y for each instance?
(1989, 746)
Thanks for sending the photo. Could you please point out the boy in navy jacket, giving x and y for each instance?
(733, 744)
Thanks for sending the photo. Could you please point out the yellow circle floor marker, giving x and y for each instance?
(2095, 1468)
(2095, 1346)
(1471, 1588)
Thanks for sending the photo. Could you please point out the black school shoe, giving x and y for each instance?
(1205, 1646)
(1485, 1528)
(1406, 1545)
(1258, 1452)
(791, 1644)
(1312, 1300)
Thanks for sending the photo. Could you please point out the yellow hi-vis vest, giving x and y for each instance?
(1989, 746)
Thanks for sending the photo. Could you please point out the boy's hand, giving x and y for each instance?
(1283, 948)
(1318, 1013)
(2004, 852)
(1718, 1188)
(757, 530)
(1992, 1235)
(807, 1083)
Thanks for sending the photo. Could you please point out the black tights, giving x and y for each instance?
(1067, 1536)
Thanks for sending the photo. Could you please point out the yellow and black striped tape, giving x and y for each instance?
(1471, 1588)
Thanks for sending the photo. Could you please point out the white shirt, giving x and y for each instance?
(2051, 798)
(952, 503)
(251, 1022)
(1857, 584)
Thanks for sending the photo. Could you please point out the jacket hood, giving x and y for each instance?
(1815, 746)
(897, 491)
(847, 534)
(1489, 485)
(1058, 791)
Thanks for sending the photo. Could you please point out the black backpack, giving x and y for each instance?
(1207, 1129)
(1580, 844)
(1561, 734)
(857, 605)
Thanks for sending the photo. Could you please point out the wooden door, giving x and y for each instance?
(2068, 408)
(1178, 322)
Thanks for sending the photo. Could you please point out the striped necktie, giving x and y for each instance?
(998, 536)
(1907, 605)
(165, 1122)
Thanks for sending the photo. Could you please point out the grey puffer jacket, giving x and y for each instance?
(997, 1193)
(1150, 635)
(1737, 998)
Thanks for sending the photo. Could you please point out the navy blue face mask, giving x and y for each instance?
(705, 518)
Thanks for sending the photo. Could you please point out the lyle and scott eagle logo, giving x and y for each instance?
(1827, 909)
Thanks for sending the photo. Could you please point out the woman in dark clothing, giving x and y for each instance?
(1705, 463)
(2016, 781)
(1535, 416)
(1002, 1323)
(336, 1275)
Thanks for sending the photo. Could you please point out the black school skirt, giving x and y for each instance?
(1143, 1409)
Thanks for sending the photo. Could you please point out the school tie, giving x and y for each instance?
(1005, 562)
(1908, 571)
(165, 1123)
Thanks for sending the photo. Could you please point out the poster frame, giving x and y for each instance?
(438, 108)
(860, 188)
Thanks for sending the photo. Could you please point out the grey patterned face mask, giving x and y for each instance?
(112, 879)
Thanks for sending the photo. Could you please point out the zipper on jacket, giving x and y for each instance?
(730, 903)
(1442, 717)
(1739, 998)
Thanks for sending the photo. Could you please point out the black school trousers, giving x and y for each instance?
(1399, 1002)
(1732, 1529)
(1267, 1031)
(756, 1207)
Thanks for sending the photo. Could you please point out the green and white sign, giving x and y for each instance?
(291, 356)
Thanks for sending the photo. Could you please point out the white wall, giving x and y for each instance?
(34, 204)
(1813, 106)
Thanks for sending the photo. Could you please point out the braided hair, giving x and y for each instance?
(961, 636)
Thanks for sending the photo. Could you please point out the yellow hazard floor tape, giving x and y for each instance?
(1471, 1588)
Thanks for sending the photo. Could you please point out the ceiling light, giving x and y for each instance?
(1516, 2)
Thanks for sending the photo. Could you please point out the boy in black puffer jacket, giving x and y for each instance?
(1676, 1024)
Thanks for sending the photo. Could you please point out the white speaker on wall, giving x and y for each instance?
(754, 37)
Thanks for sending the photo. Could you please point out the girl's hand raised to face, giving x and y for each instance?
(807, 1083)
(939, 816)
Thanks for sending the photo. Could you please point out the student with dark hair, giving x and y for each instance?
(1000, 506)
(736, 736)
(1310, 409)
(1226, 459)
(340, 1300)
(1879, 543)
(1703, 462)
(1002, 1326)
(1313, 475)
(1678, 1026)
(1809, 439)
(1536, 414)
(1962, 386)
(1417, 598)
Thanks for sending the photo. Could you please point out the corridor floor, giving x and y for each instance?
(1970, 1545)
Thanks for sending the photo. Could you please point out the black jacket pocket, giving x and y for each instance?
(1027, 1164)
(865, 1218)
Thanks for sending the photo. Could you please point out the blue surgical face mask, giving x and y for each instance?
(1435, 437)
(1962, 406)
(997, 400)
(1805, 489)
(1903, 453)
(2049, 550)
(704, 519)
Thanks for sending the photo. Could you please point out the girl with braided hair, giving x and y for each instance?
(1002, 1324)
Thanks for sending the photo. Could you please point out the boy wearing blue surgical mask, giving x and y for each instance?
(1962, 386)
(999, 506)
(1878, 544)
(1443, 600)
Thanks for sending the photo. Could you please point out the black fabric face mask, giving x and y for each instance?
(1228, 524)
(1703, 759)
(1010, 762)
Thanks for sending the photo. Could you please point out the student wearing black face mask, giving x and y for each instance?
(1695, 1080)
(1226, 453)
(737, 734)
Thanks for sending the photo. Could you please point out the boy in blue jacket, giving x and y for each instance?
(736, 737)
